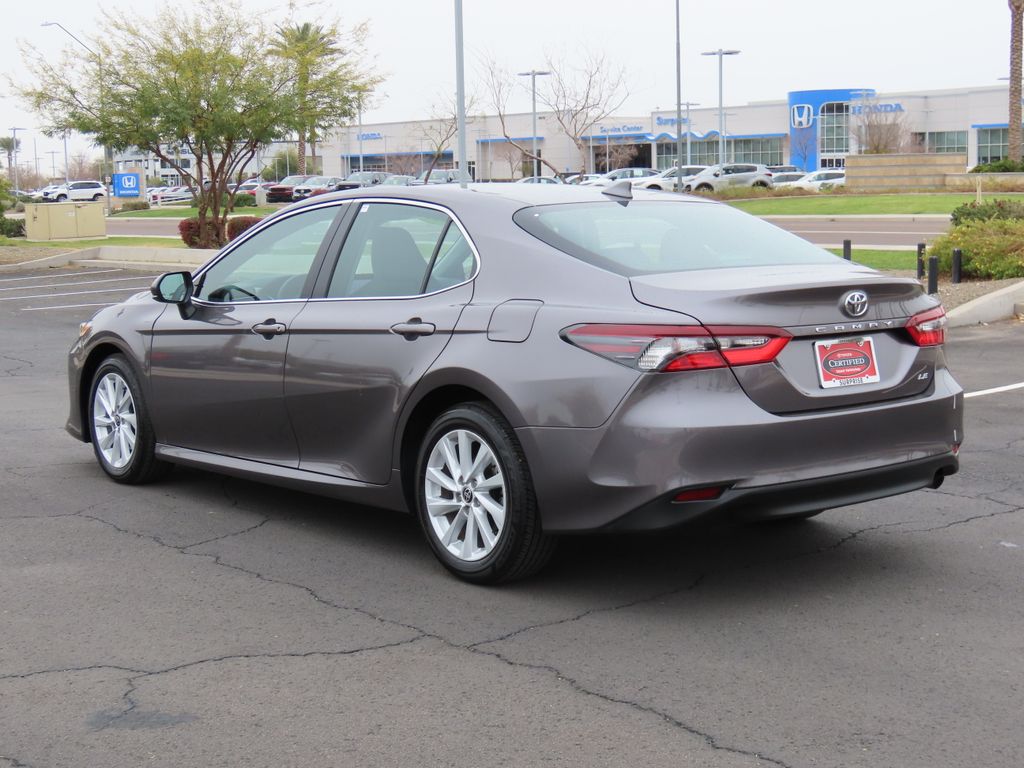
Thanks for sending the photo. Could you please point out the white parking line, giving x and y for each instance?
(70, 293)
(79, 282)
(61, 274)
(66, 306)
(995, 390)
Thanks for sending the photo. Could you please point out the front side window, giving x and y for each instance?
(396, 250)
(273, 264)
(649, 237)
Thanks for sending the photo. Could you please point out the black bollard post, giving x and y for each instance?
(920, 260)
(958, 259)
(847, 250)
(933, 275)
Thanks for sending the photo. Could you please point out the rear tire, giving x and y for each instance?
(96, 198)
(119, 427)
(759, 184)
(705, 188)
(61, 198)
(475, 498)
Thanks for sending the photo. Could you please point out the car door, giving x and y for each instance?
(380, 319)
(217, 373)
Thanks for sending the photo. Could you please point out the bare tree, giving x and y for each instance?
(500, 86)
(81, 166)
(510, 153)
(877, 129)
(802, 145)
(443, 127)
(581, 98)
(1016, 45)
(405, 164)
(621, 155)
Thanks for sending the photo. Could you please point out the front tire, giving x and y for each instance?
(119, 426)
(705, 188)
(475, 498)
(62, 198)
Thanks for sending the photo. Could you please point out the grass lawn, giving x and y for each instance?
(184, 212)
(150, 242)
(863, 204)
(881, 259)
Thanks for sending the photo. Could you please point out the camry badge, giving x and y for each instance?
(854, 303)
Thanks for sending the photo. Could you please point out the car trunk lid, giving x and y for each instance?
(807, 301)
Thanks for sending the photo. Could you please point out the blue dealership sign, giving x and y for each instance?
(126, 184)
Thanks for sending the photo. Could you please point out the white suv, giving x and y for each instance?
(719, 177)
(76, 190)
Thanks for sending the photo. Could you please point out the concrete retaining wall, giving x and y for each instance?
(915, 171)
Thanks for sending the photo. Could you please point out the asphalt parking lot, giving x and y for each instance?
(206, 621)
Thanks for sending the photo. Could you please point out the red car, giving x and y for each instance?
(282, 191)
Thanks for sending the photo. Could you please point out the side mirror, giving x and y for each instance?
(717, 174)
(173, 288)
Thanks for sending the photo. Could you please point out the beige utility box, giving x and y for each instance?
(64, 221)
(261, 196)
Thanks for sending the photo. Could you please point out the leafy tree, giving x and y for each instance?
(1016, 48)
(319, 64)
(9, 145)
(204, 85)
(285, 161)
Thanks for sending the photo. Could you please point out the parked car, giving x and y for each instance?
(442, 176)
(666, 180)
(176, 194)
(785, 177)
(281, 192)
(618, 175)
(399, 180)
(316, 185)
(784, 169)
(249, 187)
(719, 177)
(579, 178)
(74, 191)
(47, 193)
(539, 180)
(819, 180)
(363, 179)
(512, 362)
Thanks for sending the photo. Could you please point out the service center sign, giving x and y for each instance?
(846, 362)
(126, 184)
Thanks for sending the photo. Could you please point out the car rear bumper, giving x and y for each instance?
(673, 433)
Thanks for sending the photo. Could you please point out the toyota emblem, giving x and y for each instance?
(855, 303)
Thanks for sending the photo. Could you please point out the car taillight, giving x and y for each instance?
(928, 329)
(679, 348)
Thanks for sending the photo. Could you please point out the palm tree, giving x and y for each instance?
(10, 145)
(1016, 42)
(305, 46)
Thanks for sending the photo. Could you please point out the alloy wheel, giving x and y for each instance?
(464, 489)
(114, 419)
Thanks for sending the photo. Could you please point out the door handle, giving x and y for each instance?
(269, 328)
(412, 328)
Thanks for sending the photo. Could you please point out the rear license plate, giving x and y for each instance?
(846, 362)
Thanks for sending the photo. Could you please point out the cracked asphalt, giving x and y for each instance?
(217, 622)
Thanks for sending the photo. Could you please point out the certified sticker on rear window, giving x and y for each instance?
(846, 362)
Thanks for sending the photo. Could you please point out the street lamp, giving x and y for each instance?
(533, 74)
(721, 115)
(99, 68)
(679, 107)
(14, 149)
(689, 129)
(460, 95)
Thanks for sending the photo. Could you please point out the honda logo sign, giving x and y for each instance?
(801, 115)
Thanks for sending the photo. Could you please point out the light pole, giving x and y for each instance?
(533, 74)
(689, 130)
(66, 179)
(53, 162)
(14, 149)
(721, 114)
(99, 69)
(679, 107)
(460, 96)
(359, 136)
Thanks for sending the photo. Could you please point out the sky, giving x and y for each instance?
(888, 45)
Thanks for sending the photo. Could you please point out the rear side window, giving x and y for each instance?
(648, 237)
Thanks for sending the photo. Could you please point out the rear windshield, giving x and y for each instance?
(648, 237)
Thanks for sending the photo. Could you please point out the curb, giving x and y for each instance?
(998, 305)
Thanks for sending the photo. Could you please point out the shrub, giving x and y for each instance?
(1006, 165)
(19, 207)
(747, 193)
(241, 201)
(991, 209)
(11, 227)
(993, 249)
(135, 205)
(239, 224)
(189, 231)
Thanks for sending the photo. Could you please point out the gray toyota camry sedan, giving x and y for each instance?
(514, 362)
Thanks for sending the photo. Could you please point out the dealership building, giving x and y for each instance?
(810, 129)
